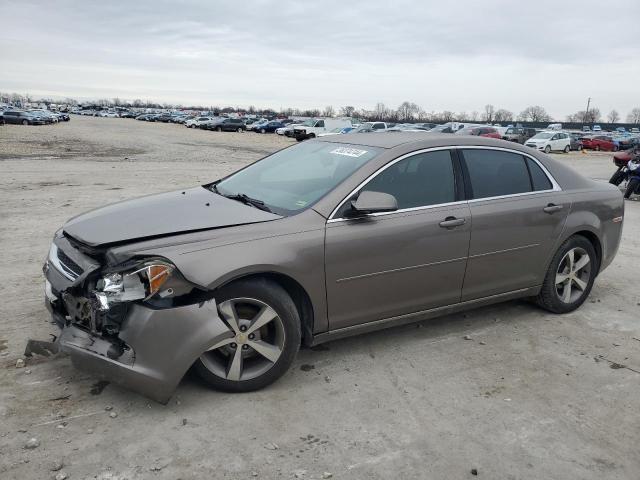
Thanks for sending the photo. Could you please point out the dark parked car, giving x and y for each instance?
(518, 134)
(269, 127)
(228, 125)
(23, 118)
(576, 141)
(332, 237)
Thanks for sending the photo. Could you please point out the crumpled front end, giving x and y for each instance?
(138, 324)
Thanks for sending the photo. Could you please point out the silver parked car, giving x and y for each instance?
(321, 240)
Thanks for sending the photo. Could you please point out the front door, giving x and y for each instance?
(389, 264)
(517, 214)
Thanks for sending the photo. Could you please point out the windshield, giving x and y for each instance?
(542, 136)
(467, 131)
(309, 123)
(295, 178)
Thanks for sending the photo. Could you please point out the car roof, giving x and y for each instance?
(420, 139)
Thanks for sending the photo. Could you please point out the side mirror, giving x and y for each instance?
(373, 202)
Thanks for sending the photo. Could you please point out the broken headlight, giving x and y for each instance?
(139, 283)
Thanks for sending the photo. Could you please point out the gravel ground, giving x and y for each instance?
(528, 395)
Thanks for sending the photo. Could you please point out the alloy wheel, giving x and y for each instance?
(573, 275)
(253, 345)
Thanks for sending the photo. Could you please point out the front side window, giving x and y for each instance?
(493, 173)
(293, 179)
(420, 180)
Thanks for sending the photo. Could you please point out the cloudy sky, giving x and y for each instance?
(445, 55)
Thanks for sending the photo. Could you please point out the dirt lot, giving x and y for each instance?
(530, 396)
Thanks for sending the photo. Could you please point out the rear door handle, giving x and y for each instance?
(451, 222)
(552, 208)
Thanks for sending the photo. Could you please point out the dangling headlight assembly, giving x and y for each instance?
(141, 282)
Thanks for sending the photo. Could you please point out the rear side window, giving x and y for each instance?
(417, 181)
(493, 173)
(539, 179)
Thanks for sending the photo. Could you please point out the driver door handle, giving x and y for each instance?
(452, 222)
(552, 208)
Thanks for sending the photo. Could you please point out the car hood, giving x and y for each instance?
(160, 215)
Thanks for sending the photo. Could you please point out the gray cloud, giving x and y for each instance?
(455, 55)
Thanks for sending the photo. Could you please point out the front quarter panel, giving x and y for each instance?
(292, 246)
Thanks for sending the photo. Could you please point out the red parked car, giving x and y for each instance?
(489, 132)
(599, 143)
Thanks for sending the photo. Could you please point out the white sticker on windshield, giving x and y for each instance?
(349, 152)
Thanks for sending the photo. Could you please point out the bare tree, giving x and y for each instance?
(503, 115)
(328, 111)
(381, 112)
(462, 116)
(534, 114)
(613, 116)
(489, 111)
(634, 116)
(407, 111)
(474, 116)
(347, 111)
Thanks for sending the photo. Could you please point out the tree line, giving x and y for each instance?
(405, 112)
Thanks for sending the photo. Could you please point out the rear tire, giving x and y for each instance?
(570, 276)
(597, 148)
(218, 129)
(282, 333)
(617, 178)
(632, 187)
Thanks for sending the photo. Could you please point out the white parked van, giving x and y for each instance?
(313, 127)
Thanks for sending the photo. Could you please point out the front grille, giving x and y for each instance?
(69, 266)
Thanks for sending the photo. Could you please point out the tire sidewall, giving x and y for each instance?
(548, 297)
(277, 298)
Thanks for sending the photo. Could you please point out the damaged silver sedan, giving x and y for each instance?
(318, 241)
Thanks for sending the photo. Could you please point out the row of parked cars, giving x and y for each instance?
(548, 140)
(32, 117)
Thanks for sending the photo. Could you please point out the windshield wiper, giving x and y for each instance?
(241, 197)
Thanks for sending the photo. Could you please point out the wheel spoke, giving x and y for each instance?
(235, 369)
(566, 293)
(570, 259)
(561, 277)
(228, 310)
(580, 264)
(266, 315)
(268, 351)
(581, 284)
(221, 343)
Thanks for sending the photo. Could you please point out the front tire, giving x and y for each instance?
(567, 149)
(632, 187)
(25, 122)
(570, 276)
(262, 130)
(219, 129)
(264, 337)
(547, 149)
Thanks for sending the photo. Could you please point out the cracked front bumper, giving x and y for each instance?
(162, 345)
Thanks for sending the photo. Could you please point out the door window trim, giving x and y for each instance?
(555, 187)
(390, 164)
(455, 157)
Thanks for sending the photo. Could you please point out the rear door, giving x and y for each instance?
(518, 212)
(388, 264)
